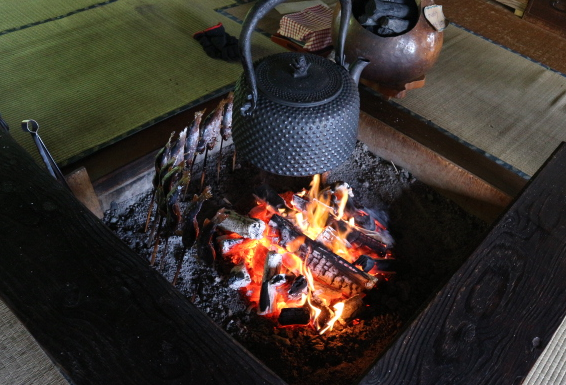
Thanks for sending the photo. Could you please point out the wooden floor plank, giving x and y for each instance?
(490, 323)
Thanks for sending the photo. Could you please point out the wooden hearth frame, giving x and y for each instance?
(105, 317)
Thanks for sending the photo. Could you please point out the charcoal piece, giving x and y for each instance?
(239, 277)
(365, 262)
(271, 269)
(364, 221)
(389, 25)
(268, 195)
(294, 316)
(376, 9)
(353, 306)
(298, 287)
(357, 238)
(387, 265)
(278, 280)
(242, 225)
(226, 244)
(300, 203)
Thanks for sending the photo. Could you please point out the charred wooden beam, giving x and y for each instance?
(325, 266)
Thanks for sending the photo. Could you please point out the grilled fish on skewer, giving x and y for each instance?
(210, 133)
(192, 139)
(190, 226)
(211, 129)
(225, 128)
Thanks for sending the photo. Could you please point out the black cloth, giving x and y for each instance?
(218, 44)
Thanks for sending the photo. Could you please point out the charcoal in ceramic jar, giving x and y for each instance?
(376, 9)
(389, 25)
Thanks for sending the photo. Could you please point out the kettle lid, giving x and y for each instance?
(299, 80)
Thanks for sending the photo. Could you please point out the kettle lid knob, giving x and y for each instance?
(299, 80)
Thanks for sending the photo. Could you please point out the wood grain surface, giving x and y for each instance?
(490, 323)
(97, 309)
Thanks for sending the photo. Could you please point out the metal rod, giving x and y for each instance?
(3, 125)
(32, 127)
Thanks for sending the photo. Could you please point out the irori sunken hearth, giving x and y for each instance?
(432, 237)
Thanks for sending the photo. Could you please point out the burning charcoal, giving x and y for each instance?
(271, 268)
(239, 277)
(266, 194)
(323, 317)
(352, 308)
(298, 287)
(326, 266)
(329, 237)
(294, 316)
(226, 244)
(365, 221)
(365, 262)
(342, 190)
(300, 203)
(360, 239)
(278, 280)
(242, 225)
(378, 214)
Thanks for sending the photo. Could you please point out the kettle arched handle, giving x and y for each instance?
(256, 13)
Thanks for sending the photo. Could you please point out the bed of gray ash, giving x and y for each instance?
(433, 236)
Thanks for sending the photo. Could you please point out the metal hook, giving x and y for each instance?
(32, 127)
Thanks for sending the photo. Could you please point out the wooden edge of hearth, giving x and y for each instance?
(98, 310)
(496, 315)
(465, 188)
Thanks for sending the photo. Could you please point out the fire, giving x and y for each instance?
(281, 275)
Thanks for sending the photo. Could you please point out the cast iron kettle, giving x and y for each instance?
(295, 114)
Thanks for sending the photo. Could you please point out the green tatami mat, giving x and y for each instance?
(96, 76)
(22, 13)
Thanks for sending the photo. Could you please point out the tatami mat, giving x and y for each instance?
(19, 14)
(22, 362)
(94, 77)
(494, 99)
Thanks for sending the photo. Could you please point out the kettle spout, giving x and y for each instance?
(356, 68)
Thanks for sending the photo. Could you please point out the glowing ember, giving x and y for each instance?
(338, 260)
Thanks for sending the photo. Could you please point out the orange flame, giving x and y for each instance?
(313, 223)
